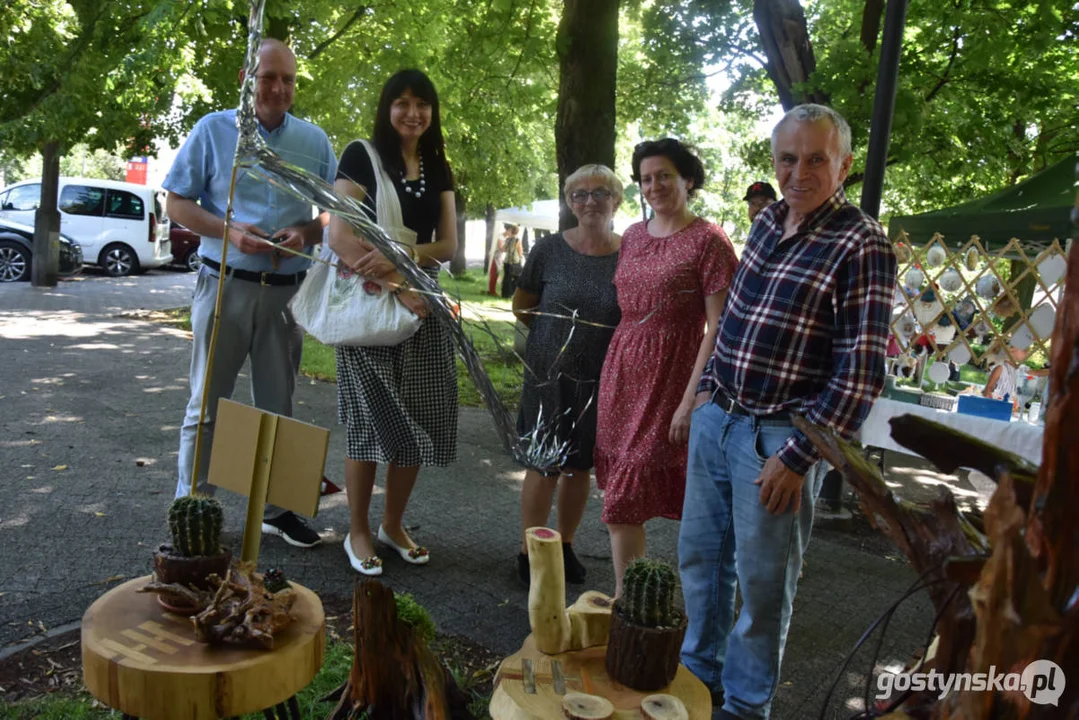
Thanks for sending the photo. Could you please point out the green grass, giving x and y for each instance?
(485, 316)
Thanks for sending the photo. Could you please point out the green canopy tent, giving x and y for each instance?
(1036, 211)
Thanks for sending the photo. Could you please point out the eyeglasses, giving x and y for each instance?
(270, 78)
(581, 196)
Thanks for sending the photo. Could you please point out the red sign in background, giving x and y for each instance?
(136, 170)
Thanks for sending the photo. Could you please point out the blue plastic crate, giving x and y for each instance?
(985, 407)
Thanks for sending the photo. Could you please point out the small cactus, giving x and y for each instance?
(648, 592)
(195, 525)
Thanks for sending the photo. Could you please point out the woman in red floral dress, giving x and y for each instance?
(672, 279)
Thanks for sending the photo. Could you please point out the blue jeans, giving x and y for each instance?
(728, 536)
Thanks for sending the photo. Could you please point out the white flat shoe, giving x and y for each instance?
(372, 566)
(417, 555)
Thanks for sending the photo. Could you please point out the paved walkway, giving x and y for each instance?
(89, 410)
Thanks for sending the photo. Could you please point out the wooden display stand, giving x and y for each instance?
(145, 662)
(530, 684)
(538, 694)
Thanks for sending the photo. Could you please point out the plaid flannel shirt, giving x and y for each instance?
(806, 322)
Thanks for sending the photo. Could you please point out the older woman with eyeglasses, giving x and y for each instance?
(672, 279)
(566, 274)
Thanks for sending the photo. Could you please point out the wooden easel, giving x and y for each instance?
(267, 458)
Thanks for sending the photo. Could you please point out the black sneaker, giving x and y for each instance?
(524, 570)
(292, 529)
(575, 571)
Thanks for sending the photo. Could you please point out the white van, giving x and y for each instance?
(119, 225)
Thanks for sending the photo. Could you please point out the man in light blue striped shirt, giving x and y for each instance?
(255, 320)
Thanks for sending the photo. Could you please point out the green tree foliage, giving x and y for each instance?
(98, 72)
(79, 161)
(987, 90)
(491, 60)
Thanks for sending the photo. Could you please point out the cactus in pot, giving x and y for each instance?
(195, 553)
(195, 525)
(647, 627)
(649, 588)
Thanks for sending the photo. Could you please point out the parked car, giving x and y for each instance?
(119, 225)
(17, 249)
(185, 246)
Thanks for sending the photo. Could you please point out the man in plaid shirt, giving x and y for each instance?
(804, 331)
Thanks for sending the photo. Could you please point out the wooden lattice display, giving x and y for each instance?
(952, 297)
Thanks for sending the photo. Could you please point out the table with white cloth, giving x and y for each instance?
(1021, 438)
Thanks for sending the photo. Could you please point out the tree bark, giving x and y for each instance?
(588, 62)
(872, 13)
(785, 40)
(46, 260)
(394, 675)
(458, 264)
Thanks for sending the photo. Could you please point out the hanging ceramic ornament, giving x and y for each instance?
(960, 354)
(936, 256)
(902, 253)
(927, 307)
(987, 287)
(950, 281)
(983, 332)
(944, 331)
(906, 327)
(1052, 269)
(1022, 338)
(973, 258)
(938, 372)
(964, 312)
(1004, 307)
(1042, 319)
(915, 278)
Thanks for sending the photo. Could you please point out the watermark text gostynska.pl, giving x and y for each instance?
(1042, 681)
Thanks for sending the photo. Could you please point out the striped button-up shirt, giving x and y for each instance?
(805, 326)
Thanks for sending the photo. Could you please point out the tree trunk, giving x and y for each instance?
(872, 14)
(785, 40)
(46, 260)
(458, 264)
(588, 62)
(394, 675)
(489, 241)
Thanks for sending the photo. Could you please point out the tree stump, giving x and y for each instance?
(643, 658)
(394, 675)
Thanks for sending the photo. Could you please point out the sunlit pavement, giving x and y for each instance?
(90, 404)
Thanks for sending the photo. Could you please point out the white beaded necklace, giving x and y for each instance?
(417, 190)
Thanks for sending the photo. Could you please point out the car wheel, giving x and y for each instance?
(192, 261)
(118, 261)
(14, 262)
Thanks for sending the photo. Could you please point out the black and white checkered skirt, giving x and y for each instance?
(399, 403)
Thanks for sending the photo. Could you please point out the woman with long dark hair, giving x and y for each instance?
(399, 403)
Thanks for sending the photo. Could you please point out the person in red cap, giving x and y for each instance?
(759, 196)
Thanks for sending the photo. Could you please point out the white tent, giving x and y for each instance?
(542, 215)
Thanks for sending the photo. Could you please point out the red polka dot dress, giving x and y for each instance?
(661, 285)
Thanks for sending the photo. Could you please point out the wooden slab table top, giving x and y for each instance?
(581, 671)
(145, 662)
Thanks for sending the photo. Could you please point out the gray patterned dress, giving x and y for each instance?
(562, 380)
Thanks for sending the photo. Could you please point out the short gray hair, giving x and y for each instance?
(594, 170)
(811, 112)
